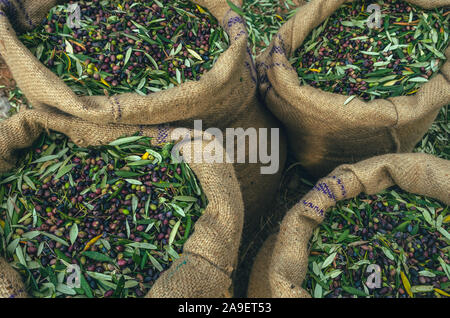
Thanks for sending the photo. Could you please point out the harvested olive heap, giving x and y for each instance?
(122, 212)
(128, 46)
(406, 235)
(344, 55)
(264, 18)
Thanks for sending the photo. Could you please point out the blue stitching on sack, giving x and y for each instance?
(184, 262)
(238, 20)
(313, 206)
(21, 6)
(163, 133)
(234, 20)
(9, 8)
(339, 181)
(323, 187)
(14, 295)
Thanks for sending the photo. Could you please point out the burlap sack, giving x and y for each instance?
(282, 262)
(225, 97)
(210, 254)
(324, 133)
(11, 285)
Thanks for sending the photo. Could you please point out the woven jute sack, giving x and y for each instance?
(224, 97)
(209, 255)
(282, 262)
(324, 133)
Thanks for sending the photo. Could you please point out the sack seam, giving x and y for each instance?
(224, 271)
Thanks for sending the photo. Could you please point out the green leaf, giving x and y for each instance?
(133, 158)
(422, 288)
(155, 154)
(174, 231)
(99, 276)
(120, 286)
(62, 256)
(370, 53)
(402, 227)
(195, 54)
(333, 274)
(63, 170)
(31, 235)
(69, 48)
(62, 288)
(29, 182)
(128, 228)
(329, 260)
(155, 263)
(418, 80)
(147, 205)
(127, 56)
(9, 179)
(445, 267)
(131, 284)
(185, 198)
(85, 286)
(79, 68)
(34, 217)
(104, 181)
(354, 291)
(166, 184)
(20, 256)
(146, 246)
(177, 209)
(46, 158)
(178, 76)
(105, 244)
(388, 253)
(316, 269)
(13, 245)
(127, 174)
(125, 140)
(348, 100)
(133, 181)
(73, 233)
(444, 232)
(134, 203)
(318, 291)
(88, 205)
(139, 163)
(96, 256)
(55, 238)
(39, 51)
(172, 252)
(40, 249)
(427, 274)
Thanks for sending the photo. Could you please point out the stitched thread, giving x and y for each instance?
(163, 133)
(9, 8)
(27, 17)
(313, 206)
